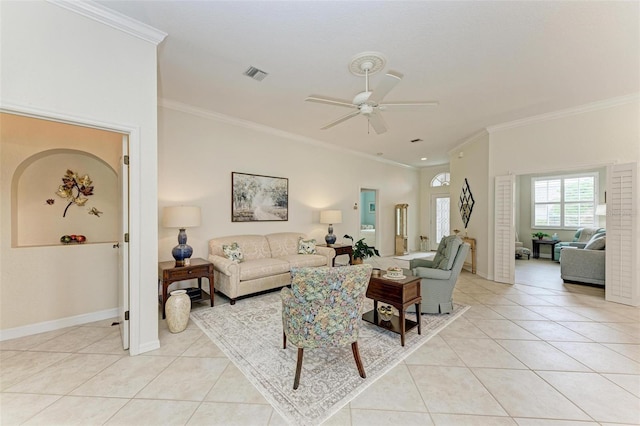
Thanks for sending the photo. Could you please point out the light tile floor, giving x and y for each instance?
(535, 353)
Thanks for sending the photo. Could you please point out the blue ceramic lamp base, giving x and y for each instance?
(330, 238)
(182, 252)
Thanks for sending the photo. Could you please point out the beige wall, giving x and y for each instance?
(198, 153)
(39, 152)
(57, 63)
(473, 165)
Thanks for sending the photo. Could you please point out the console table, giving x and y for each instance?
(536, 243)
(472, 243)
(169, 273)
(340, 249)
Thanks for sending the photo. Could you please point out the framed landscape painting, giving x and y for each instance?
(256, 198)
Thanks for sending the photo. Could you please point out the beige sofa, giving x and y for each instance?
(267, 262)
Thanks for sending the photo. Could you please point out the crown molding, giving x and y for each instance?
(593, 106)
(113, 19)
(468, 140)
(211, 115)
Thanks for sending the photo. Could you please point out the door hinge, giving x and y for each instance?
(126, 237)
(126, 160)
(126, 315)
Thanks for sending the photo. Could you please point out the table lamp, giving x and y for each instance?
(181, 217)
(330, 217)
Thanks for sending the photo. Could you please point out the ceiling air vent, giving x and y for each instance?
(416, 140)
(255, 73)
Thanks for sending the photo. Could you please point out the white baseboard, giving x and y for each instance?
(41, 327)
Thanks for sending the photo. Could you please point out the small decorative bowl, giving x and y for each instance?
(394, 272)
(375, 272)
(385, 312)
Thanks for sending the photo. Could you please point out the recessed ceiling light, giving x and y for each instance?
(423, 159)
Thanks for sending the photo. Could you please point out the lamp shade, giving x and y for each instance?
(331, 216)
(181, 217)
(601, 210)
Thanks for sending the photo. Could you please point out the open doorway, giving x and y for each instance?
(369, 216)
(64, 200)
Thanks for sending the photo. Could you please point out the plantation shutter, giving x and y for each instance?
(621, 276)
(504, 230)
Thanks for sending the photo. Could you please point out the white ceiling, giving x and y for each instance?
(486, 62)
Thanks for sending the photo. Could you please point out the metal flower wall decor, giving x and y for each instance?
(75, 189)
(465, 203)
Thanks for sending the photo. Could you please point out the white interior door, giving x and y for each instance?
(123, 245)
(504, 230)
(440, 218)
(621, 277)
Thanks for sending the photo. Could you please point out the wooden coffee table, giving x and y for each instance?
(398, 293)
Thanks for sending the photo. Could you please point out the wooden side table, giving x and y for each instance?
(169, 273)
(472, 243)
(340, 249)
(536, 243)
(400, 294)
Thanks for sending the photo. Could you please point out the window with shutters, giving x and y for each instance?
(564, 201)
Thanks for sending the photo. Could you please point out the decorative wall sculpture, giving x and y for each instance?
(466, 202)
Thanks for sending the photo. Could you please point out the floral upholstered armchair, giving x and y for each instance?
(323, 308)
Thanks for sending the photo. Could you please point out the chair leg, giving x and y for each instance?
(356, 355)
(284, 340)
(296, 381)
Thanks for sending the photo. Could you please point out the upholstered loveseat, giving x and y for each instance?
(585, 265)
(580, 240)
(265, 264)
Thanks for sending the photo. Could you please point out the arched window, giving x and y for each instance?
(440, 180)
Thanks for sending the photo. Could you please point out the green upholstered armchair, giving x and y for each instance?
(580, 239)
(323, 308)
(439, 276)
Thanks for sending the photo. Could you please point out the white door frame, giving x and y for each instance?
(377, 220)
(133, 134)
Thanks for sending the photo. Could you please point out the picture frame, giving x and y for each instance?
(258, 198)
(372, 207)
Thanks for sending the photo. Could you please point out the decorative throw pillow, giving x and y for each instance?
(596, 243)
(306, 246)
(233, 252)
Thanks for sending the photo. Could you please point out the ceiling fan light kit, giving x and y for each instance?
(369, 103)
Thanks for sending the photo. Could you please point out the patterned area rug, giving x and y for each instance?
(250, 334)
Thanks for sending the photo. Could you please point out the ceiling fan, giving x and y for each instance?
(369, 103)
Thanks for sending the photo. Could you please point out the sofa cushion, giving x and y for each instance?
(598, 242)
(284, 243)
(253, 246)
(233, 252)
(302, 260)
(259, 268)
(306, 246)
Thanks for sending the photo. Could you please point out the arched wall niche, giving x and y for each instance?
(37, 211)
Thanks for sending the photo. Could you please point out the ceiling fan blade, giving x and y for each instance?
(341, 119)
(377, 122)
(388, 82)
(330, 101)
(407, 105)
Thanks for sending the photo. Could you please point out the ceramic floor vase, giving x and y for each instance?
(178, 308)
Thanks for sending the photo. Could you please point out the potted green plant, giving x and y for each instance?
(539, 234)
(361, 250)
